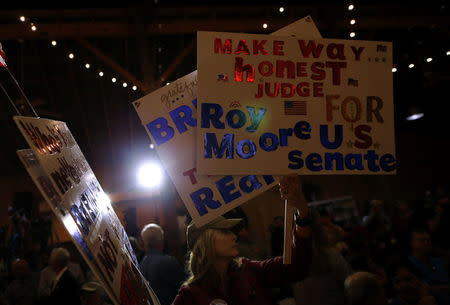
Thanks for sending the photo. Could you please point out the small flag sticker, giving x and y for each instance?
(294, 107)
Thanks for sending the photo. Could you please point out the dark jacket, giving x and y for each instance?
(252, 283)
(164, 274)
(66, 291)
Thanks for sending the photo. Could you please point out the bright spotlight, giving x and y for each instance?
(414, 116)
(149, 175)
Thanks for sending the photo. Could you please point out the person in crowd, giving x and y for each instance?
(328, 269)
(65, 289)
(431, 270)
(336, 235)
(138, 251)
(408, 289)
(48, 275)
(217, 276)
(92, 293)
(22, 290)
(362, 288)
(401, 223)
(163, 272)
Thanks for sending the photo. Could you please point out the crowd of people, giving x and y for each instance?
(397, 254)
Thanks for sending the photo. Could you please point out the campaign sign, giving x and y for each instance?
(169, 117)
(294, 105)
(70, 187)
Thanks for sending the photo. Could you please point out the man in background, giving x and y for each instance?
(163, 272)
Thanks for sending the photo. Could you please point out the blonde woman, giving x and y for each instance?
(218, 277)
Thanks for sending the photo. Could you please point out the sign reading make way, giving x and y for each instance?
(278, 105)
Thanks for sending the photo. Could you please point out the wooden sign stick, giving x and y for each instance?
(288, 215)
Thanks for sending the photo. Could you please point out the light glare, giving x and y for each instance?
(411, 66)
(22, 18)
(87, 66)
(281, 9)
(415, 116)
(352, 34)
(353, 21)
(394, 70)
(113, 79)
(53, 42)
(134, 88)
(429, 59)
(100, 73)
(265, 25)
(71, 56)
(149, 175)
(351, 7)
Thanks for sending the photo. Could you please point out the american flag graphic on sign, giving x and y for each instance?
(294, 107)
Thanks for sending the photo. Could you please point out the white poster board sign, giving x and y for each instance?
(294, 105)
(169, 118)
(66, 181)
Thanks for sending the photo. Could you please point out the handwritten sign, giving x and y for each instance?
(67, 182)
(294, 105)
(169, 117)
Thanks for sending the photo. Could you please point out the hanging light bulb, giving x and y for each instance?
(54, 43)
(352, 34)
(351, 7)
(281, 9)
(33, 28)
(134, 88)
(22, 18)
(124, 84)
(265, 25)
(71, 56)
(394, 69)
(100, 73)
(352, 22)
(113, 79)
(411, 66)
(87, 66)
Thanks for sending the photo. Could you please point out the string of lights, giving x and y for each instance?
(71, 57)
(351, 8)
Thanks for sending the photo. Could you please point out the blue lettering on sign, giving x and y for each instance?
(160, 130)
(203, 198)
(182, 116)
(211, 144)
(225, 189)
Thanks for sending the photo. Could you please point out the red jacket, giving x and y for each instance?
(252, 282)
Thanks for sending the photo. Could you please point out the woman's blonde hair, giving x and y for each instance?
(202, 259)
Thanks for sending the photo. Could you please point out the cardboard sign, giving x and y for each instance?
(169, 118)
(294, 105)
(66, 181)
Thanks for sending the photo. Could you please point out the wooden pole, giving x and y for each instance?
(288, 216)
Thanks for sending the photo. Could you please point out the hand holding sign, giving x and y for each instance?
(291, 192)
